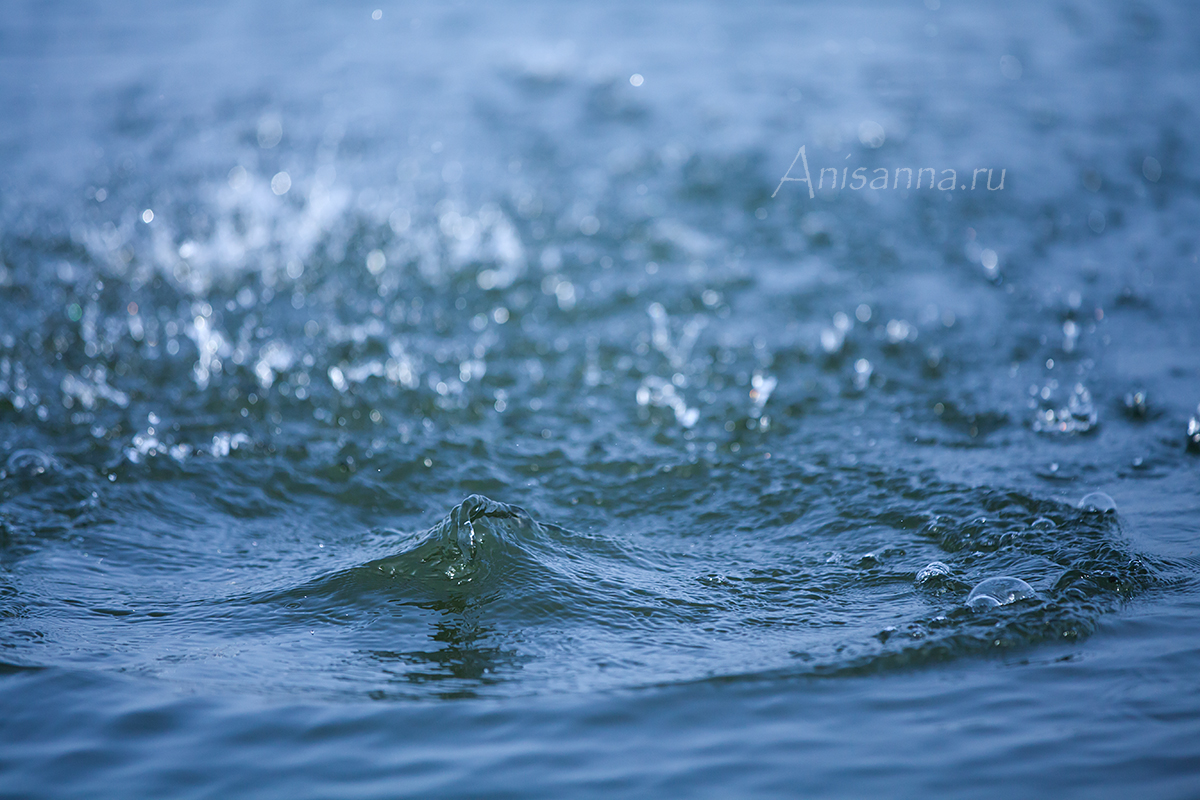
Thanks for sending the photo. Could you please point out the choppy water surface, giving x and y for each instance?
(438, 403)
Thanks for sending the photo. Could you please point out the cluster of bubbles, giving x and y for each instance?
(1004, 590)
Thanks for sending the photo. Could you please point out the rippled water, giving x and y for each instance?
(453, 401)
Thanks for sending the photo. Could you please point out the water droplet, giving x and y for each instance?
(1098, 503)
(1001, 591)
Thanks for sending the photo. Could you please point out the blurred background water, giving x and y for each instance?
(449, 400)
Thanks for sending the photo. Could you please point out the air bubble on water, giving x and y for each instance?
(1002, 591)
(239, 180)
(1151, 170)
(871, 134)
(270, 131)
(29, 463)
(932, 571)
(1098, 503)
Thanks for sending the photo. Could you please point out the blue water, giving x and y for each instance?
(452, 400)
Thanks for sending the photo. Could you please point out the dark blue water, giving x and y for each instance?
(451, 400)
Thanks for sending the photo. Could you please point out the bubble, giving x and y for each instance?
(1010, 67)
(871, 134)
(1002, 591)
(270, 131)
(932, 572)
(376, 261)
(281, 183)
(148, 216)
(239, 180)
(29, 463)
(1098, 503)
(399, 220)
(636, 79)
(1151, 169)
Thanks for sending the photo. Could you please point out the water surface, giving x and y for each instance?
(452, 401)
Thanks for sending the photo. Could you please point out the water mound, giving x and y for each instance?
(465, 545)
(1001, 591)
